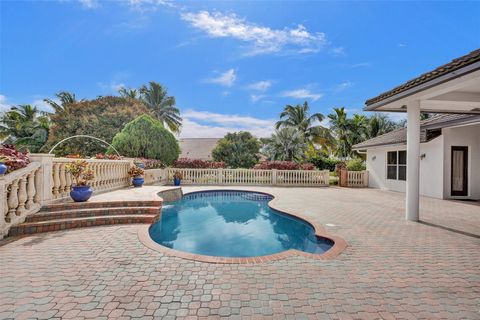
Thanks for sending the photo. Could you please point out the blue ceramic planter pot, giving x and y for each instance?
(176, 181)
(138, 181)
(81, 193)
(3, 168)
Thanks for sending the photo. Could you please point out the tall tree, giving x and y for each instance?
(163, 106)
(25, 126)
(286, 144)
(340, 125)
(309, 125)
(129, 93)
(379, 124)
(65, 98)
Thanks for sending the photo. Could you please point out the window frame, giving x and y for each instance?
(397, 165)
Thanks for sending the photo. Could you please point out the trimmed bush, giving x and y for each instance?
(197, 163)
(356, 164)
(284, 165)
(146, 137)
(237, 150)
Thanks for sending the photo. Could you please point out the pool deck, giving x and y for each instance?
(391, 269)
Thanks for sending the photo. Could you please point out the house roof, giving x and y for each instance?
(399, 136)
(454, 65)
(197, 148)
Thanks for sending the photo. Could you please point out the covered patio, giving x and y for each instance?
(450, 88)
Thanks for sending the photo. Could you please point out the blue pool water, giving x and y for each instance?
(232, 224)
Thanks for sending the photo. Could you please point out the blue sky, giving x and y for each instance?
(230, 65)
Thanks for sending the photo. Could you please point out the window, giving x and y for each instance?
(397, 165)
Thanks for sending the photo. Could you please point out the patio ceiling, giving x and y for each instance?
(451, 88)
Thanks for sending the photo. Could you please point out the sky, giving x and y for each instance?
(231, 65)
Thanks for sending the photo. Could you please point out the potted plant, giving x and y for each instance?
(3, 166)
(81, 190)
(136, 173)
(177, 178)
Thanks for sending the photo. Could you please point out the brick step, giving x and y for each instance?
(91, 212)
(111, 204)
(63, 224)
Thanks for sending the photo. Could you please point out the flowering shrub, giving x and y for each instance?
(197, 163)
(178, 175)
(102, 156)
(135, 172)
(13, 158)
(80, 173)
(284, 165)
(150, 163)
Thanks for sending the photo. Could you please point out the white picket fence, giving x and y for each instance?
(251, 177)
(357, 179)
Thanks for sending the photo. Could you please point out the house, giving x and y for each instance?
(453, 88)
(197, 148)
(449, 157)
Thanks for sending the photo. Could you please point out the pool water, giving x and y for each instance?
(232, 224)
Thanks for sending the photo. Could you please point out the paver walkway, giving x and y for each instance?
(392, 269)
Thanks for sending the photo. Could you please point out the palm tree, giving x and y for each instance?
(286, 144)
(341, 126)
(25, 126)
(129, 93)
(66, 98)
(359, 128)
(380, 124)
(299, 117)
(155, 98)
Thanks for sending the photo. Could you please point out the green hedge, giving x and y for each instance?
(145, 137)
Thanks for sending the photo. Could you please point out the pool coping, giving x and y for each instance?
(339, 244)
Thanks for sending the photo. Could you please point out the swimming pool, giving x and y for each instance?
(232, 224)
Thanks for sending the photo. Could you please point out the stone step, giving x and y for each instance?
(110, 204)
(91, 212)
(63, 224)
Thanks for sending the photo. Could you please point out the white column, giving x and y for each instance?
(45, 176)
(413, 161)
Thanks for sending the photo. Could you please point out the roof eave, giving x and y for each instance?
(427, 85)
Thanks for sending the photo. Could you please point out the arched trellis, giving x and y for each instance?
(83, 136)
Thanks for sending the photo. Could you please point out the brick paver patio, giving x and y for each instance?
(392, 269)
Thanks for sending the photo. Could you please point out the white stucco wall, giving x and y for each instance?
(468, 136)
(431, 177)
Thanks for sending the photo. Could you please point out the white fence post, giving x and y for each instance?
(44, 183)
(274, 177)
(220, 175)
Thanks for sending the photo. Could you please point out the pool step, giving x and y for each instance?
(63, 224)
(70, 215)
(111, 204)
(91, 212)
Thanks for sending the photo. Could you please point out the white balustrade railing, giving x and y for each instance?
(19, 191)
(358, 179)
(109, 175)
(251, 177)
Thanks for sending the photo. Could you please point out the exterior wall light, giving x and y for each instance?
(374, 157)
(422, 156)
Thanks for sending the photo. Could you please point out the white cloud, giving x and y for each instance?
(205, 124)
(150, 5)
(261, 39)
(343, 86)
(89, 4)
(302, 94)
(261, 86)
(402, 45)
(111, 87)
(4, 105)
(225, 79)
(257, 97)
